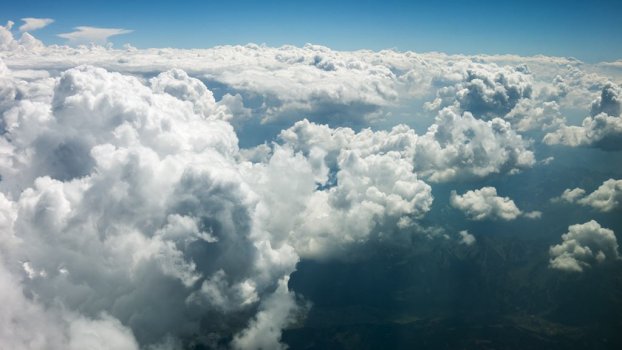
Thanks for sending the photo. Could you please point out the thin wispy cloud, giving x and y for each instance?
(86, 34)
(31, 24)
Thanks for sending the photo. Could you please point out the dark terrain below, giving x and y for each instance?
(497, 294)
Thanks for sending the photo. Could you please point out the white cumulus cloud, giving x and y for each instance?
(583, 246)
(337, 188)
(485, 204)
(486, 91)
(463, 147)
(133, 197)
(605, 198)
(602, 129)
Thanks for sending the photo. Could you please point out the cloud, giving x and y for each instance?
(26, 42)
(337, 188)
(31, 24)
(140, 185)
(27, 324)
(276, 313)
(603, 129)
(126, 185)
(137, 204)
(6, 37)
(85, 34)
(463, 147)
(608, 102)
(177, 83)
(361, 88)
(466, 238)
(605, 198)
(583, 246)
(484, 204)
(486, 91)
(533, 115)
(570, 195)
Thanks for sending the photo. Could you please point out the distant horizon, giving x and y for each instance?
(585, 30)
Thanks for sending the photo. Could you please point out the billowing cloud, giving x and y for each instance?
(609, 101)
(486, 92)
(275, 313)
(361, 88)
(31, 24)
(605, 198)
(483, 204)
(462, 147)
(583, 246)
(126, 185)
(109, 180)
(27, 324)
(603, 129)
(9, 44)
(85, 34)
(337, 188)
(533, 115)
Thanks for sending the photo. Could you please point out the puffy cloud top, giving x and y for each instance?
(603, 129)
(484, 204)
(26, 42)
(132, 198)
(582, 246)
(605, 198)
(608, 102)
(485, 92)
(347, 186)
(460, 146)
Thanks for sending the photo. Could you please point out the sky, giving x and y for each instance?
(192, 190)
(587, 30)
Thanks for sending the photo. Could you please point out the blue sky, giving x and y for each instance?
(588, 30)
